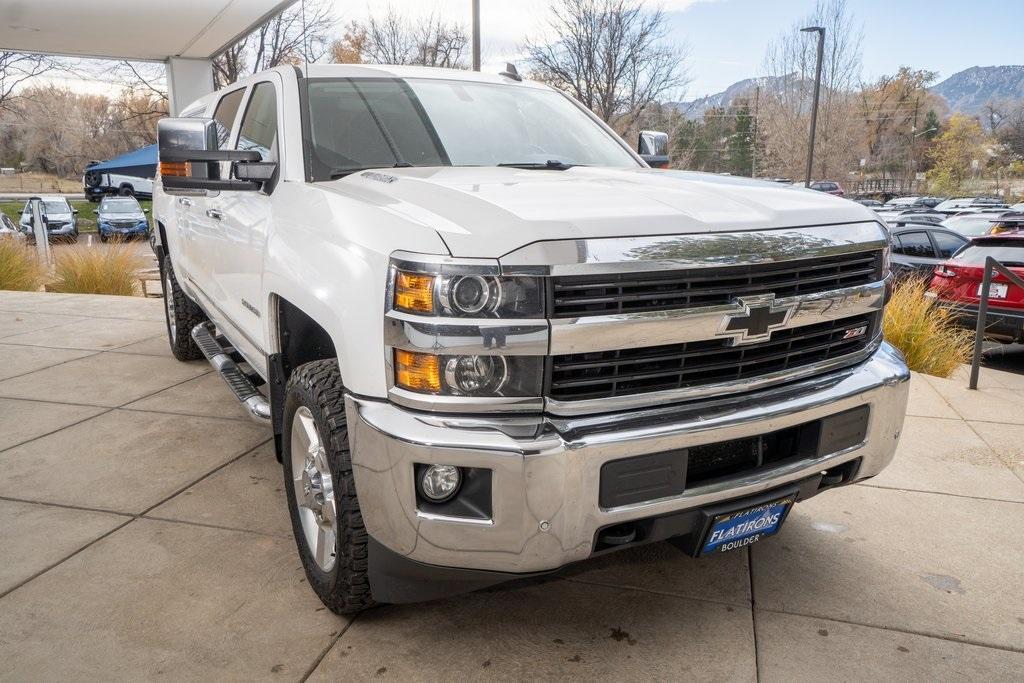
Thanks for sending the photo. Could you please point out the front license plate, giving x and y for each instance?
(734, 530)
(997, 290)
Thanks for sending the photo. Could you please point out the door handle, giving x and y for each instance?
(214, 214)
(184, 201)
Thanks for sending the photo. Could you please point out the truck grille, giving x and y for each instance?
(585, 295)
(609, 374)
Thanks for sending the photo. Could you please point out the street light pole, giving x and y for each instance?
(476, 35)
(817, 91)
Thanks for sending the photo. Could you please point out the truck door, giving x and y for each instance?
(244, 219)
(198, 230)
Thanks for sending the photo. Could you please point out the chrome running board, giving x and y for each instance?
(241, 386)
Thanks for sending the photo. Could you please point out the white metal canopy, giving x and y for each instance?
(184, 34)
(153, 30)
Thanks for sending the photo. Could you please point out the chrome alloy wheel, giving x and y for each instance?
(169, 303)
(314, 489)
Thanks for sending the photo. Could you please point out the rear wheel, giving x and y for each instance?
(182, 315)
(326, 519)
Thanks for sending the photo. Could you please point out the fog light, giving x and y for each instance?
(438, 483)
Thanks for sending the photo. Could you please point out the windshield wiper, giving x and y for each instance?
(342, 172)
(549, 165)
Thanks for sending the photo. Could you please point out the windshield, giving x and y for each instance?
(978, 224)
(120, 206)
(356, 124)
(50, 206)
(1011, 255)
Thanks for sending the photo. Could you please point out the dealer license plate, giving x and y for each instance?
(734, 530)
(997, 290)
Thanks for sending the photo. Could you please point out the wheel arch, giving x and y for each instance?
(297, 339)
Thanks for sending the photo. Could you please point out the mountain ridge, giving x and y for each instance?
(966, 91)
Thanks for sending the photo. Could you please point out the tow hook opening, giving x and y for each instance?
(838, 475)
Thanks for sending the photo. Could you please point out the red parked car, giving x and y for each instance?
(828, 187)
(957, 283)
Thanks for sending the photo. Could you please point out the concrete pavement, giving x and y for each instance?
(143, 533)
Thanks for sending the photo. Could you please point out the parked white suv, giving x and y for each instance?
(491, 341)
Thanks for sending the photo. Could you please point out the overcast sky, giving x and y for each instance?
(728, 38)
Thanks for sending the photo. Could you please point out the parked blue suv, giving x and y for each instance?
(121, 217)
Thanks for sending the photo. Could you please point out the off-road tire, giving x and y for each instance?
(346, 588)
(186, 315)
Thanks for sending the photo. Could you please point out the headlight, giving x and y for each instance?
(469, 375)
(458, 292)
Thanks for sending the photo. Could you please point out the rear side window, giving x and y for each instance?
(914, 244)
(259, 123)
(947, 243)
(224, 115)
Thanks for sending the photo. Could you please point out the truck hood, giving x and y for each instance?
(487, 212)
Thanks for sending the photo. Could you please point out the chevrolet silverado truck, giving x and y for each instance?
(491, 341)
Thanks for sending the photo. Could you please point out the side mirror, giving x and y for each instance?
(96, 211)
(652, 146)
(74, 210)
(145, 211)
(190, 158)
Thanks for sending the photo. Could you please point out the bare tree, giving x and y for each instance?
(15, 69)
(299, 33)
(230, 65)
(790, 61)
(393, 39)
(609, 55)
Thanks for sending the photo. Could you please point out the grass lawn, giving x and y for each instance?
(86, 217)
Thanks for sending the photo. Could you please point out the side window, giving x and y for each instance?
(914, 244)
(947, 243)
(259, 123)
(224, 115)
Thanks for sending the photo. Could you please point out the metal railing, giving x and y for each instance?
(991, 265)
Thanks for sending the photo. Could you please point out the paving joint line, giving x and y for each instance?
(64, 559)
(57, 364)
(940, 493)
(206, 525)
(132, 518)
(106, 410)
(204, 476)
(897, 629)
(316, 663)
(753, 613)
(68, 506)
(651, 591)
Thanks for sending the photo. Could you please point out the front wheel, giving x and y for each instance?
(326, 520)
(182, 315)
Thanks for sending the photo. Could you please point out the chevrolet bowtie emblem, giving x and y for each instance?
(761, 316)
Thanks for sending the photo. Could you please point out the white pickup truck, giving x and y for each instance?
(491, 341)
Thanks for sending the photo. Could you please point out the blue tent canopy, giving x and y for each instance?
(140, 163)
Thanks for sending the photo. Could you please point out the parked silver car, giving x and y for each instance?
(61, 220)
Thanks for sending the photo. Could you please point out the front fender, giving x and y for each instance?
(328, 255)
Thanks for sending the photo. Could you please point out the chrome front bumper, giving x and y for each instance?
(546, 471)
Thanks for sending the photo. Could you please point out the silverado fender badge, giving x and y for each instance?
(761, 316)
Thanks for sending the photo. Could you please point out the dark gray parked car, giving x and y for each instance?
(918, 247)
